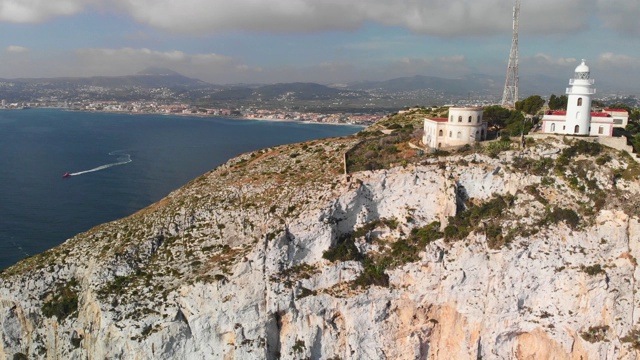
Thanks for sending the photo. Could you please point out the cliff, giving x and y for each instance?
(277, 254)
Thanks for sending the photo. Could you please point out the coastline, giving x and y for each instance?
(230, 117)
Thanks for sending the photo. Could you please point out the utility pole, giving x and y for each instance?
(510, 94)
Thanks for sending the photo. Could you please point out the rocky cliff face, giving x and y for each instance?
(277, 255)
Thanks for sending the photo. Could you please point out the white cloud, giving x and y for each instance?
(545, 59)
(16, 49)
(433, 17)
(609, 59)
(28, 11)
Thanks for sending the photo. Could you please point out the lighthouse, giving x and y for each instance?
(579, 93)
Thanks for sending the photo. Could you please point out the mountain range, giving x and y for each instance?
(473, 86)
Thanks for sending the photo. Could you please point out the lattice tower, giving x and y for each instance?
(510, 94)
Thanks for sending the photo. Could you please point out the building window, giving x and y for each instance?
(440, 133)
(576, 129)
(579, 101)
(451, 118)
(601, 130)
(459, 118)
(553, 127)
(477, 135)
(469, 119)
(564, 128)
(450, 134)
(459, 135)
(439, 145)
(479, 118)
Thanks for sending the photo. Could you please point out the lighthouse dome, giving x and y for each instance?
(582, 70)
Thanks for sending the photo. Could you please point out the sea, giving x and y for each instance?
(118, 164)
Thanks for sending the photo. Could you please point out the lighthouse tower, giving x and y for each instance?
(579, 101)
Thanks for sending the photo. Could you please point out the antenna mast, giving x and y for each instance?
(510, 94)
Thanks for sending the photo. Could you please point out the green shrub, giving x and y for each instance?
(595, 333)
(603, 159)
(63, 301)
(632, 337)
(569, 216)
(372, 274)
(496, 147)
(345, 250)
(593, 270)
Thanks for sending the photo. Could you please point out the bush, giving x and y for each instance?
(345, 250)
(593, 270)
(372, 274)
(494, 148)
(63, 302)
(465, 221)
(595, 333)
(569, 216)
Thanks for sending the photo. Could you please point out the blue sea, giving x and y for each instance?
(119, 163)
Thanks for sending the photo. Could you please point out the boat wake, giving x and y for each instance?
(120, 160)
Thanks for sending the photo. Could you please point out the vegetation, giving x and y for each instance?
(539, 167)
(558, 215)
(494, 148)
(595, 334)
(383, 152)
(557, 102)
(390, 255)
(593, 270)
(63, 302)
(530, 105)
(473, 217)
(508, 122)
(633, 337)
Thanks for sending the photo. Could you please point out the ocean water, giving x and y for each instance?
(119, 164)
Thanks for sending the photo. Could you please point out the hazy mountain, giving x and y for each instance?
(148, 78)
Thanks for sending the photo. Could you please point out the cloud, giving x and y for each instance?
(435, 17)
(29, 11)
(621, 15)
(612, 60)
(208, 67)
(16, 49)
(432, 17)
(544, 59)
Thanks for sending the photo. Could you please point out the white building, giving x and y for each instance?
(463, 126)
(579, 119)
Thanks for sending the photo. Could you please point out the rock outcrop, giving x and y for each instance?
(277, 254)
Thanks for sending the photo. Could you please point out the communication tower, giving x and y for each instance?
(510, 94)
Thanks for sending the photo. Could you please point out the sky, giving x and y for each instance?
(324, 41)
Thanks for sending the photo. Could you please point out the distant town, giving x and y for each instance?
(162, 91)
(192, 110)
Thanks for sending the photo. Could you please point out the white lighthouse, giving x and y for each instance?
(579, 94)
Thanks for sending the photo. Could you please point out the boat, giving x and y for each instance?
(66, 175)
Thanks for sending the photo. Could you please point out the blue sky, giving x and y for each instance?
(326, 41)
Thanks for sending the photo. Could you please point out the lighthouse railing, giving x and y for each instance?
(581, 81)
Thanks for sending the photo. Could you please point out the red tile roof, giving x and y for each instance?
(615, 110)
(439, 119)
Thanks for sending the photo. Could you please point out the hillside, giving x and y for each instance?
(490, 252)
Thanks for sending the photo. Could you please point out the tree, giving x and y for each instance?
(496, 116)
(530, 105)
(557, 102)
(620, 105)
(516, 122)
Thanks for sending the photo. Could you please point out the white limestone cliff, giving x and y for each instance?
(231, 267)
